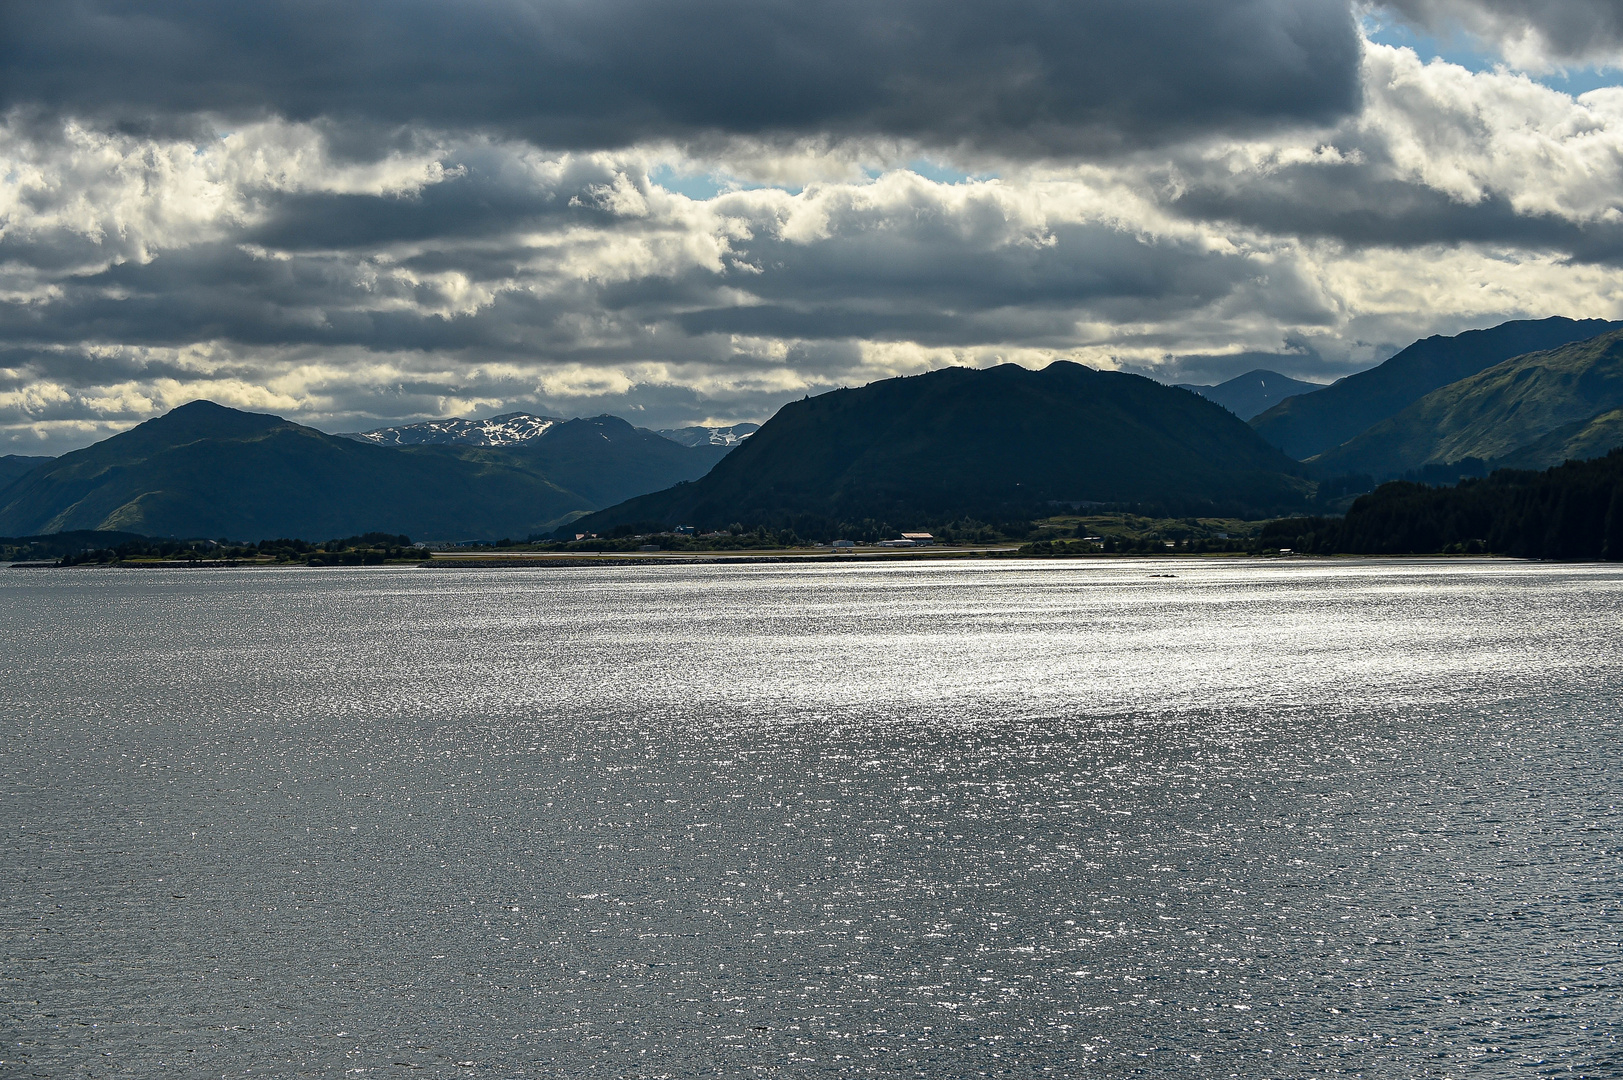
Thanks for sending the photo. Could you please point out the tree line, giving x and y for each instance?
(1573, 511)
(369, 549)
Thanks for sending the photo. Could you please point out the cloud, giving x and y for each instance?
(1038, 77)
(1176, 188)
(1439, 155)
(1535, 35)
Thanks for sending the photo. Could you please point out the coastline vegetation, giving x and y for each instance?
(1571, 512)
(369, 549)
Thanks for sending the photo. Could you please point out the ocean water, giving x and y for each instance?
(1099, 818)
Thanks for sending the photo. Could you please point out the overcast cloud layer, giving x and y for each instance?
(364, 213)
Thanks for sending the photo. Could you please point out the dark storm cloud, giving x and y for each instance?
(78, 369)
(880, 274)
(1031, 78)
(483, 195)
(1568, 29)
(1356, 204)
(903, 278)
(220, 293)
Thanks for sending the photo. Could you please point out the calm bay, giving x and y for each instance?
(1167, 817)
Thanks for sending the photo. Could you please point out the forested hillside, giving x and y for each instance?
(993, 444)
(1574, 511)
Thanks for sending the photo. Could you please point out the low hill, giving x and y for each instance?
(1316, 422)
(206, 470)
(995, 444)
(1494, 414)
(1247, 395)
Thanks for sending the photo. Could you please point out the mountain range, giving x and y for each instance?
(206, 470)
(514, 428)
(994, 443)
(1313, 423)
(1000, 444)
(1247, 395)
(1534, 411)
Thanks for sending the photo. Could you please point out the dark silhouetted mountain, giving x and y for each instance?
(1247, 395)
(205, 470)
(1316, 422)
(14, 467)
(606, 460)
(1495, 414)
(711, 436)
(509, 429)
(991, 443)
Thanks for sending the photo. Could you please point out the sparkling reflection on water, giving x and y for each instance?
(987, 819)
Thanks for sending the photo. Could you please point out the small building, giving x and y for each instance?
(919, 539)
(897, 543)
(843, 545)
(648, 547)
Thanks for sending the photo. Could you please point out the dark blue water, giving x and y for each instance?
(994, 819)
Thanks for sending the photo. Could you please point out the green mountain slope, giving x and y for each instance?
(1577, 441)
(987, 443)
(1314, 423)
(205, 470)
(1493, 414)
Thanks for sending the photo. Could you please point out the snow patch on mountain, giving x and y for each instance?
(509, 429)
(711, 436)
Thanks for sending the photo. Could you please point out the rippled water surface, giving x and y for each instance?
(985, 819)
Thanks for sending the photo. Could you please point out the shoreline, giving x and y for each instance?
(578, 560)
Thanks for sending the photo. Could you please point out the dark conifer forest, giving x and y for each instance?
(1573, 511)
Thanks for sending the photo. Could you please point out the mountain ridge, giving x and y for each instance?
(206, 470)
(1495, 414)
(985, 442)
(1311, 424)
(14, 467)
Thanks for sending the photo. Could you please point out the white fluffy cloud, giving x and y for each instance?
(323, 271)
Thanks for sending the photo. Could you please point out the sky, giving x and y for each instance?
(692, 212)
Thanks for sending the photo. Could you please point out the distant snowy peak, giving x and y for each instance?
(508, 429)
(511, 429)
(711, 436)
